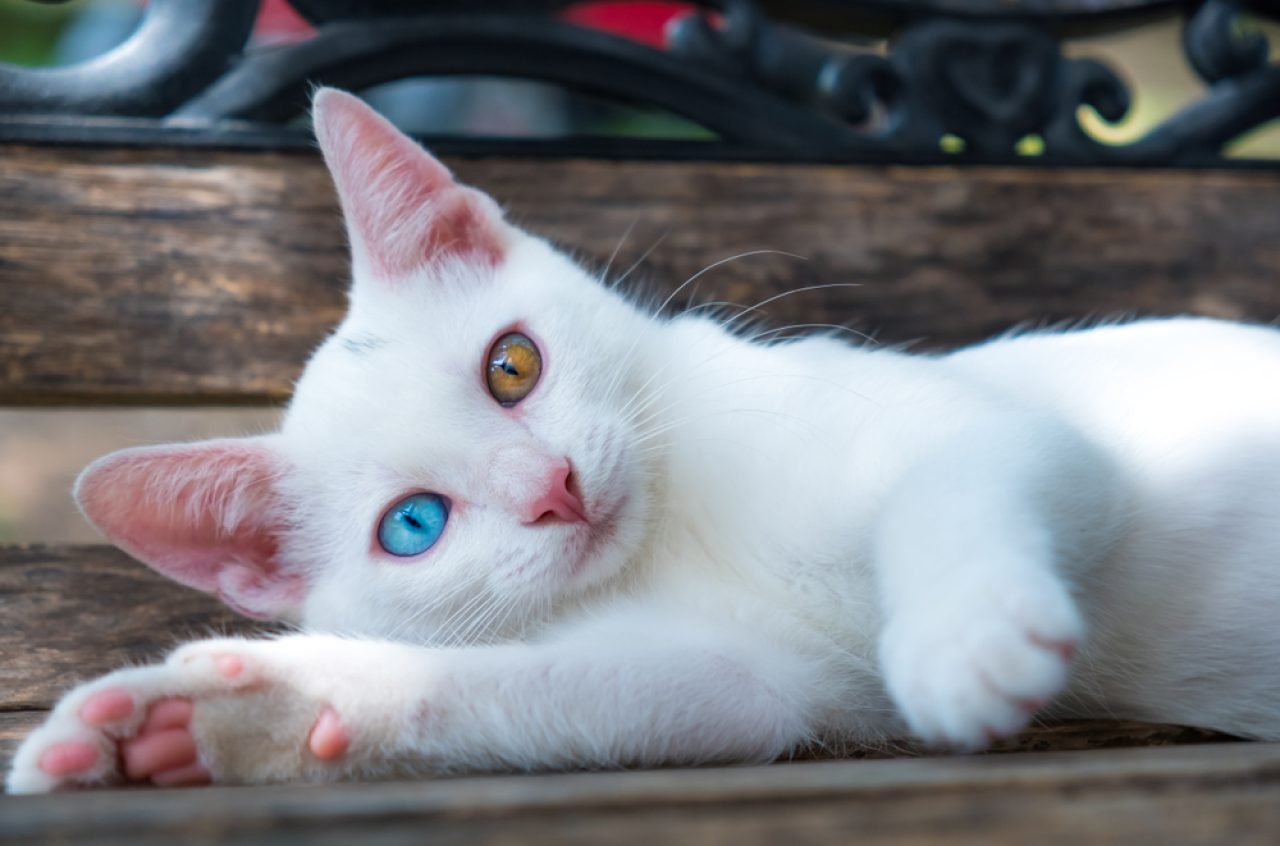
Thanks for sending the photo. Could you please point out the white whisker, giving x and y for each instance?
(604, 275)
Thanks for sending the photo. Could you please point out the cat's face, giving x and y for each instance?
(406, 399)
(460, 456)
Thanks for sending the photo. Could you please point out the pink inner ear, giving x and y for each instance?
(402, 206)
(204, 515)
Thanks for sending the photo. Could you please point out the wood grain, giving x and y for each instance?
(1138, 797)
(179, 276)
(73, 613)
(14, 726)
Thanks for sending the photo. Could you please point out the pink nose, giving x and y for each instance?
(560, 502)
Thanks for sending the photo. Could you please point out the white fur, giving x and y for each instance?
(810, 540)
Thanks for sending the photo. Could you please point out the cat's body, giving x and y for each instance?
(683, 544)
(1182, 609)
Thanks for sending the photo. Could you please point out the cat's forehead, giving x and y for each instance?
(453, 300)
(407, 365)
(369, 387)
(400, 370)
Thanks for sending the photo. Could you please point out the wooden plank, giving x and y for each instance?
(172, 276)
(72, 613)
(1211, 795)
(14, 726)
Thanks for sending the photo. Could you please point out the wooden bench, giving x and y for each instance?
(175, 276)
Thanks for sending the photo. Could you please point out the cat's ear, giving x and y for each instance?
(402, 207)
(206, 514)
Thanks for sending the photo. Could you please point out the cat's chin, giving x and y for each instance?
(597, 549)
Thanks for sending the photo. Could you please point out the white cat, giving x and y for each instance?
(524, 525)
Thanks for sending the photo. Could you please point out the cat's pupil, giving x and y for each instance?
(510, 369)
(412, 521)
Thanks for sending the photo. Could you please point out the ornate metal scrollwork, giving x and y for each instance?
(274, 85)
(954, 80)
(1218, 49)
(987, 86)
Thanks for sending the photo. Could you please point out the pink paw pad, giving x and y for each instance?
(68, 758)
(107, 706)
(1066, 649)
(167, 714)
(328, 738)
(230, 666)
(149, 754)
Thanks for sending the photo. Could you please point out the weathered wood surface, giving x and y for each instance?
(14, 726)
(68, 614)
(175, 276)
(73, 613)
(1136, 797)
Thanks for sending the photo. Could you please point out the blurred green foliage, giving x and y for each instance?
(29, 31)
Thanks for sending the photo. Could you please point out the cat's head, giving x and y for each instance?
(458, 456)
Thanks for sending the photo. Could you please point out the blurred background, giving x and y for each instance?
(41, 451)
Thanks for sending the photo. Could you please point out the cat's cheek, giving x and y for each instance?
(603, 554)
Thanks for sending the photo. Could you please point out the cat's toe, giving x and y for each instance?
(329, 737)
(156, 752)
(969, 718)
(964, 681)
(60, 754)
(68, 758)
(225, 663)
(114, 705)
(1014, 663)
(163, 751)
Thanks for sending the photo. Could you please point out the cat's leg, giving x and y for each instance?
(976, 553)
(321, 708)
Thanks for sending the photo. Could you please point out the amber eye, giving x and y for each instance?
(513, 368)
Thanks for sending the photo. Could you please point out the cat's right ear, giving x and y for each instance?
(206, 514)
(402, 207)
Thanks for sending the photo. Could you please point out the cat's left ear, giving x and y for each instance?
(207, 514)
(402, 207)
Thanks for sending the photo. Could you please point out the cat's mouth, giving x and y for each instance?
(593, 539)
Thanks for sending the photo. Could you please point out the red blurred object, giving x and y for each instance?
(278, 23)
(645, 22)
(639, 21)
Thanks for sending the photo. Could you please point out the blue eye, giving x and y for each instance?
(413, 524)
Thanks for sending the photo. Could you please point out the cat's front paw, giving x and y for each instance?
(222, 710)
(980, 664)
